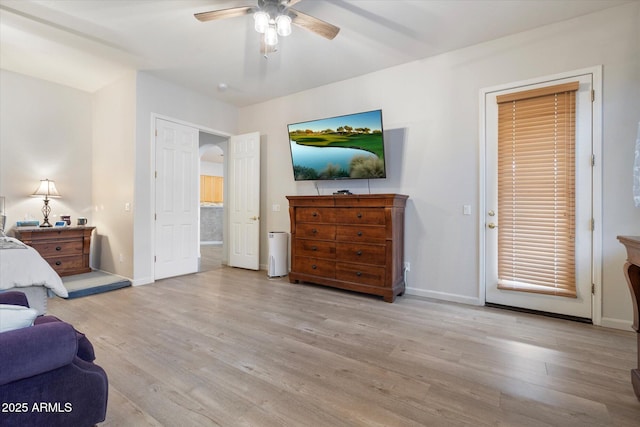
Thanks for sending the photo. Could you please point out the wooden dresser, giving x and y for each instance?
(66, 249)
(632, 273)
(353, 242)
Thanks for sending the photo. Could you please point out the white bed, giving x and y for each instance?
(23, 269)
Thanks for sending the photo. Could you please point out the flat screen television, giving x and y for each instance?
(341, 147)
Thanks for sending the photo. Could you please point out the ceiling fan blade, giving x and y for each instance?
(292, 2)
(223, 13)
(318, 26)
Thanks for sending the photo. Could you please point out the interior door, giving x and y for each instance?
(243, 200)
(176, 198)
(581, 306)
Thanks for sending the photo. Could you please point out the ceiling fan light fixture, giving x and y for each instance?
(261, 21)
(271, 36)
(283, 25)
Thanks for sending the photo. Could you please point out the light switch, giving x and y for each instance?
(466, 209)
(127, 207)
(275, 208)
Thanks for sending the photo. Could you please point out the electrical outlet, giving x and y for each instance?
(407, 266)
(275, 208)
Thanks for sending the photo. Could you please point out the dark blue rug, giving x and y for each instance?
(95, 282)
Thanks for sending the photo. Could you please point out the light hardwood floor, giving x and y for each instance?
(230, 347)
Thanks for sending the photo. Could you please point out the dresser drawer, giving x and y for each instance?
(356, 233)
(58, 248)
(372, 216)
(315, 248)
(315, 266)
(315, 215)
(66, 264)
(360, 273)
(366, 254)
(53, 234)
(316, 231)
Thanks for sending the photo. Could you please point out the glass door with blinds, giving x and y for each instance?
(538, 191)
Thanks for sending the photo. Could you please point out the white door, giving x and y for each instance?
(244, 200)
(581, 306)
(177, 199)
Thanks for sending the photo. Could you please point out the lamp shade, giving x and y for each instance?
(261, 21)
(47, 188)
(271, 36)
(283, 24)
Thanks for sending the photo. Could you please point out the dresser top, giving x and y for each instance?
(37, 229)
(349, 200)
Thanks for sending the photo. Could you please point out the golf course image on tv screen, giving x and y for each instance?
(341, 147)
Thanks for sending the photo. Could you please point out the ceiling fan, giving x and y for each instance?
(273, 18)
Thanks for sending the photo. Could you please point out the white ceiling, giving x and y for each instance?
(88, 43)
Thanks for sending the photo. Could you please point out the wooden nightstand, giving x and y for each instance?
(66, 249)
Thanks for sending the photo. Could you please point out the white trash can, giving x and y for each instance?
(278, 254)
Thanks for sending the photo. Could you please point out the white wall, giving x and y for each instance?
(431, 119)
(211, 168)
(45, 132)
(157, 97)
(113, 174)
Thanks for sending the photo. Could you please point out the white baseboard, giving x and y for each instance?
(624, 325)
(140, 282)
(443, 296)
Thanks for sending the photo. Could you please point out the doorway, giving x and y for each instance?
(176, 187)
(584, 303)
(212, 150)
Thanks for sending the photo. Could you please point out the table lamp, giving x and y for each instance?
(47, 189)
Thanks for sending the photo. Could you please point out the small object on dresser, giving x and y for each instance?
(82, 221)
(28, 223)
(66, 218)
(61, 223)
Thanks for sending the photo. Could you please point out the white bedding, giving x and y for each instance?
(20, 268)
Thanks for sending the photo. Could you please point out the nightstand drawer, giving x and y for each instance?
(57, 234)
(59, 248)
(66, 264)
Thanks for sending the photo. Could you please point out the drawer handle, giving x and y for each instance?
(359, 273)
(314, 248)
(58, 262)
(359, 233)
(359, 215)
(58, 248)
(359, 253)
(314, 266)
(314, 214)
(314, 231)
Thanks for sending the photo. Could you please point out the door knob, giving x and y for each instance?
(254, 218)
(491, 213)
(492, 225)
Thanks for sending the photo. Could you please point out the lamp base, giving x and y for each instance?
(46, 210)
